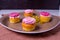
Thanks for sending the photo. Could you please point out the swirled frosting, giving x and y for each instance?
(44, 14)
(14, 14)
(29, 20)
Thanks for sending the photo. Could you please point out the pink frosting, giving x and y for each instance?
(28, 11)
(14, 14)
(29, 20)
(44, 13)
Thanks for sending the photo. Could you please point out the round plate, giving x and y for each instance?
(17, 27)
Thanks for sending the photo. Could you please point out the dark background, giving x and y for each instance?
(29, 4)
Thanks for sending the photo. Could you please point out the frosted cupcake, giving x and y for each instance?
(28, 24)
(45, 17)
(14, 17)
(28, 12)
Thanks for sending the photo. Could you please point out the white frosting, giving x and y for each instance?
(46, 16)
(15, 17)
(28, 11)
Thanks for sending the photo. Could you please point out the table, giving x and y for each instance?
(53, 12)
(6, 34)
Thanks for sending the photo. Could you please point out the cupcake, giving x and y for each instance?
(28, 24)
(28, 12)
(14, 17)
(44, 17)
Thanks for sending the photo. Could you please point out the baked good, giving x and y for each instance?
(45, 17)
(28, 12)
(14, 17)
(28, 24)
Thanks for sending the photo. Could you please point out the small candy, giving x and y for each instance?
(37, 18)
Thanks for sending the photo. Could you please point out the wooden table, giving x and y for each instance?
(6, 34)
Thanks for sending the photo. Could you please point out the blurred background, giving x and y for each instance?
(29, 4)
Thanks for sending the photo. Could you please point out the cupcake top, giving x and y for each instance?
(29, 20)
(45, 14)
(14, 14)
(29, 11)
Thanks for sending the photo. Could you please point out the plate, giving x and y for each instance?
(41, 28)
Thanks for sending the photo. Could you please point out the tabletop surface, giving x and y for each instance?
(53, 12)
(6, 34)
